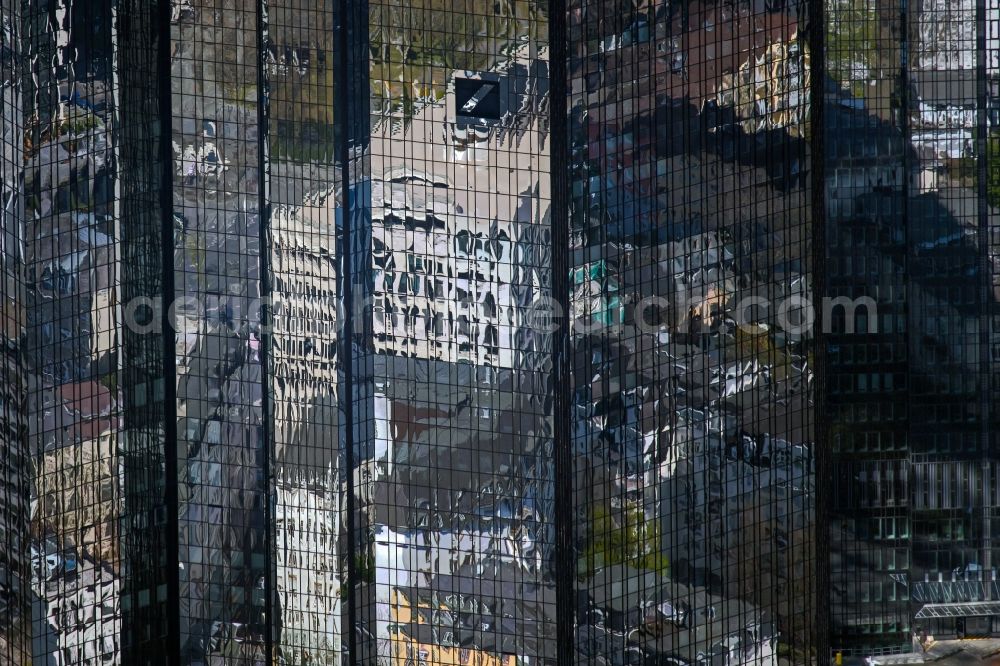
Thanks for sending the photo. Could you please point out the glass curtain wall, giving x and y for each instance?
(222, 493)
(15, 466)
(691, 351)
(454, 482)
(304, 373)
(911, 106)
(148, 463)
(70, 249)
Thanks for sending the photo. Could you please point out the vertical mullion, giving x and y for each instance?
(345, 281)
(263, 255)
(821, 448)
(166, 157)
(982, 194)
(563, 461)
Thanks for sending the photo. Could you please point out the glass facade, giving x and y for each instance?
(691, 233)
(304, 203)
(148, 528)
(497, 332)
(911, 111)
(70, 228)
(459, 477)
(15, 474)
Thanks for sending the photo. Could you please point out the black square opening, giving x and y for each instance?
(475, 98)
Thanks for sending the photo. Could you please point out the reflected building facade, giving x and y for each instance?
(911, 114)
(459, 476)
(380, 332)
(692, 419)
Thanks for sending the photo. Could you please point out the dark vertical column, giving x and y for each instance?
(15, 463)
(985, 287)
(149, 590)
(821, 449)
(907, 257)
(910, 310)
(165, 155)
(988, 21)
(355, 94)
(565, 565)
(342, 121)
(264, 235)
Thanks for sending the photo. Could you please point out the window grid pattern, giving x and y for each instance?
(362, 468)
(15, 477)
(223, 551)
(147, 597)
(910, 221)
(690, 240)
(71, 255)
(305, 199)
(458, 482)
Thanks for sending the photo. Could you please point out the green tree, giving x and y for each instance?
(626, 537)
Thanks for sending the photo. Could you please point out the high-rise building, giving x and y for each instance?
(910, 126)
(497, 332)
(690, 223)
